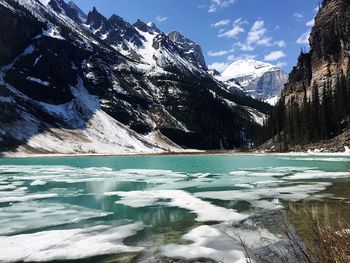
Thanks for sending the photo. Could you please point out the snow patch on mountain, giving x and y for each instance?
(147, 51)
(45, 2)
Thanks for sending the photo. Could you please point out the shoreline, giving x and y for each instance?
(177, 153)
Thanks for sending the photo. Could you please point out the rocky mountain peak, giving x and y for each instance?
(80, 12)
(95, 19)
(61, 6)
(146, 27)
(191, 50)
(115, 19)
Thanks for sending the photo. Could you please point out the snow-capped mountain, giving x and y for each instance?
(71, 82)
(260, 80)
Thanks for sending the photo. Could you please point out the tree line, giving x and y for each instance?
(321, 115)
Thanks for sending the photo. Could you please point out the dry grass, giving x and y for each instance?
(321, 244)
(325, 243)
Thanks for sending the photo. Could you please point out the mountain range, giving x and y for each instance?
(77, 83)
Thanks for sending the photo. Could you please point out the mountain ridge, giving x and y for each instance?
(63, 66)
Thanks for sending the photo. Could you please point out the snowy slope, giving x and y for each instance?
(89, 129)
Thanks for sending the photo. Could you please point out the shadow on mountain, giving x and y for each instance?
(58, 80)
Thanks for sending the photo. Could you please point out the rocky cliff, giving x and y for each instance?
(329, 51)
(314, 110)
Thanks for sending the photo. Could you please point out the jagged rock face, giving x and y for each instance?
(65, 85)
(329, 54)
(16, 33)
(150, 27)
(192, 51)
(299, 79)
(60, 6)
(80, 13)
(270, 85)
(116, 32)
(96, 20)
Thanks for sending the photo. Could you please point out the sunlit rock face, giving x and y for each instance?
(329, 51)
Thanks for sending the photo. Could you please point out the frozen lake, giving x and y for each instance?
(149, 207)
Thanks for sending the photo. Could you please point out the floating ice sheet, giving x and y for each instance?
(208, 242)
(68, 244)
(291, 193)
(314, 174)
(176, 198)
(22, 217)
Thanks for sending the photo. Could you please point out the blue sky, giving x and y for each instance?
(268, 30)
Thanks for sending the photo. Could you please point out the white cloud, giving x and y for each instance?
(234, 31)
(281, 64)
(304, 38)
(221, 30)
(233, 58)
(219, 53)
(257, 36)
(245, 47)
(160, 18)
(298, 16)
(217, 4)
(275, 55)
(219, 66)
(221, 23)
(281, 43)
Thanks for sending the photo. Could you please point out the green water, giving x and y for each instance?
(147, 208)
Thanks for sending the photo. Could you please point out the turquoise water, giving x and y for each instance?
(150, 207)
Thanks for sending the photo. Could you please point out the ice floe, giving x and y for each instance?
(21, 217)
(37, 182)
(68, 244)
(290, 193)
(208, 242)
(176, 198)
(315, 174)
